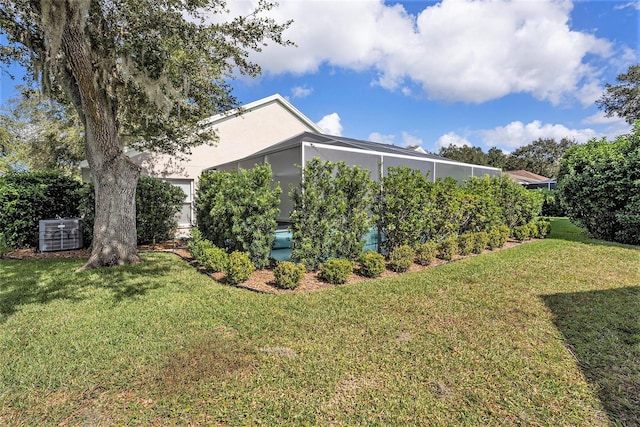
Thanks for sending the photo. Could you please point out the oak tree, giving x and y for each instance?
(623, 99)
(139, 73)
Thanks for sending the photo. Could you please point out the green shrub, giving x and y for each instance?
(372, 264)
(544, 227)
(551, 205)
(336, 270)
(4, 246)
(237, 210)
(498, 236)
(403, 206)
(465, 243)
(401, 258)
(521, 232)
(448, 248)
(288, 275)
(426, 252)
(480, 242)
(533, 230)
(213, 258)
(28, 197)
(157, 206)
(599, 186)
(198, 245)
(330, 213)
(239, 267)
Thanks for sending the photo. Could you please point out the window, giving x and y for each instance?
(185, 216)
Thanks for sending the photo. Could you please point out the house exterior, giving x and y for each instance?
(532, 180)
(261, 124)
(285, 157)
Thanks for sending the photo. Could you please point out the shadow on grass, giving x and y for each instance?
(45, 281)
(602, 330)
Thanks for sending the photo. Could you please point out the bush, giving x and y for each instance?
(239, 267)
(4, 247)
(330, 213)
(28, 197)
(544, 227)
(336, 270)
(533, 230)
(157, 204)
(401, 258)
(425, 253)
(551, 205)
(480, 242)
(498, 236)
(403, 207)
(198, 245)
(465, 243)
(522, 232)
(448, 248)
(288, 275)
(599, 186)
(372, 264)
(237, 211)
(213, 258)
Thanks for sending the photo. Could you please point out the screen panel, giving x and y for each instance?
(351, 158)
(480, 172)
(458, 172)
(424, 166)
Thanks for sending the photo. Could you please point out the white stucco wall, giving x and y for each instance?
(239, 136)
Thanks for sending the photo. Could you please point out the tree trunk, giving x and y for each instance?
(115, 176)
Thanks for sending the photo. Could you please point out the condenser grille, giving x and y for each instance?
(59, 234)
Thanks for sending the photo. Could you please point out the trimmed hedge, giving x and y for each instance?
(599, 186)
(237, 211)
(330, 213)
(28, 197)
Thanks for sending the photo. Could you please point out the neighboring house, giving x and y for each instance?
(285, 157)
(261, 124)
(531, 180)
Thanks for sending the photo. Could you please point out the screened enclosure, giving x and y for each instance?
(286, 157)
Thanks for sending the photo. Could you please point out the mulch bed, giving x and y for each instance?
(261, 281)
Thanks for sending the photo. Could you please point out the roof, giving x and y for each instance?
(526, 177)
(340, 141)
(276, 98)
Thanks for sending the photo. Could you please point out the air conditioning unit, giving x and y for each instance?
(59, 234)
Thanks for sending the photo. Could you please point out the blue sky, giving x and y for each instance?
(477, 72)
(483, 73)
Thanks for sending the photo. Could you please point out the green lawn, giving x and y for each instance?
(546, 333)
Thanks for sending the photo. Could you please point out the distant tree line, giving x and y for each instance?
(542, 156)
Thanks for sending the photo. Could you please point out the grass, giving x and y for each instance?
(546, 333)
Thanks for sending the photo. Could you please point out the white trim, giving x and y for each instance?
(276, 98)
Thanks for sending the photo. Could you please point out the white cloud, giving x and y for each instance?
(383, 139)
(632, 4)
(455, 50)
(331, 124)
(410, 140)
(517, 134)
(452, 138)
(301, 91)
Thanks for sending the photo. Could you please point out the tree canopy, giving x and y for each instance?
(495, 157)
(140, 73)
(40, 134)
(542, 156)
(623, 99)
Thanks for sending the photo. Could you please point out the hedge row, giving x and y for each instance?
(336, 205)
(28, 197)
